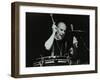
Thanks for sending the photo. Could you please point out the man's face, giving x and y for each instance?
(61, 30)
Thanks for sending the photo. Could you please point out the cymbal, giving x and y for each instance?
(77, 31)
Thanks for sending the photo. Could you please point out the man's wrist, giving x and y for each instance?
(53, 33)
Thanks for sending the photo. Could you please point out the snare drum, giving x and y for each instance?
(51, 61)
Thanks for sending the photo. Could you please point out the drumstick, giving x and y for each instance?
(52, 18)
(72, 28)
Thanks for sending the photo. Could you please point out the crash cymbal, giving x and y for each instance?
(76, 31)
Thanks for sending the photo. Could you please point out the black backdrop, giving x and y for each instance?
(38, 30)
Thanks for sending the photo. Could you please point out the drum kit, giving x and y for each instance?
(55, 60)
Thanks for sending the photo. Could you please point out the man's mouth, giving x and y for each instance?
(61, 35)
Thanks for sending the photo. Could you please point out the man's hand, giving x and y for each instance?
(54, 28)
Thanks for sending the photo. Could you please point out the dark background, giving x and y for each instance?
(38, 30)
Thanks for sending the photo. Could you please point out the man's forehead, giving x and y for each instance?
(62, 25)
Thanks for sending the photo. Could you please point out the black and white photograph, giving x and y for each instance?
(51, 39)
(56, 39)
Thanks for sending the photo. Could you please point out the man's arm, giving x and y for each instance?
(49, 42)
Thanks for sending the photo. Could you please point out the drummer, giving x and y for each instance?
(56, 43)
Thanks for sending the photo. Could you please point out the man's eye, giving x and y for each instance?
(61, 29)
